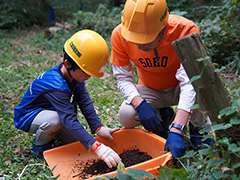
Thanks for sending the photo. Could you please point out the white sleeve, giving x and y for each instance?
(126, 85)
(187, 92)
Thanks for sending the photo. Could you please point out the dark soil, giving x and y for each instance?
(97, 166)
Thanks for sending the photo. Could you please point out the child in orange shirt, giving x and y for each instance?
(144, 37)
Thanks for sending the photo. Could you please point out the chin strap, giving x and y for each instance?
(156, 54)
(68, 70)
(155, 49)
(71, 68)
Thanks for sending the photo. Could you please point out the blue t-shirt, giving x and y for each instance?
(52, 91)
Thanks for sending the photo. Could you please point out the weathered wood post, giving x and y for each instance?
(211, 94)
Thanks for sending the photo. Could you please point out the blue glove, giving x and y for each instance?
(197, 138)
(149, 117)
(175, 144)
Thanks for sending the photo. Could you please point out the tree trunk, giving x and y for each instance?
(211, 94)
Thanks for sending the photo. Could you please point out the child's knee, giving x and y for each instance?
(53, 124)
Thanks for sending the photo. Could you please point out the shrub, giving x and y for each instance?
(220, 29)
(16, 14)
(102, 21)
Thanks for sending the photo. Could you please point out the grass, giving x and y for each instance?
(24, 55)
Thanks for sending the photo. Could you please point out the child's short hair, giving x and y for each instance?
(70, 60)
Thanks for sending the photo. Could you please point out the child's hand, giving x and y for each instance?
(110, 157)
(106, 132)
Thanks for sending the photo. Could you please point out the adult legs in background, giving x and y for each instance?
(160, 100)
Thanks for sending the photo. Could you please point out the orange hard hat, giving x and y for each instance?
(89, 51)
(143, 20)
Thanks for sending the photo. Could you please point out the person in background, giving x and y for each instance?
(144, 39)
(49, 107)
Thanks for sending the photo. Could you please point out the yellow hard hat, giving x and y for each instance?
(89, 51)
(143, 20)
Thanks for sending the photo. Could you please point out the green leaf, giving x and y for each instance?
(206, 129)
(121, 167)
(221, 161)
(123, 176)
(107, 177)
(237, 165)
(139, 173)
(215, 127)
(219, 175)
(212, 162)
(228, 111)
(219, 70)
(235, 177)
(190, 154)
(224, 140)
(226, 126)
(233, 148)
(178, 173)
(177, 12)
(194, 78)
(203, 59)
(235, 120)
(196, 106)
(53, 168)
(44, 163)
(218, 126)
(164, 173)
(205, 151)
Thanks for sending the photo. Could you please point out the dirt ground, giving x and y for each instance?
(97, 167)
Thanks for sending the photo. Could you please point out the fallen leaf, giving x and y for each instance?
(22, 151)
(39, 51)
(224, 169)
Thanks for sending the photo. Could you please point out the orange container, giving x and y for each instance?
(65, 158)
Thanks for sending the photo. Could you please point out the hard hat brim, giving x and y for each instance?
(138, 38)
(89, 51)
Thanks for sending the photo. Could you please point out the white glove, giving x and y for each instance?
(110, 157)
(106, 132)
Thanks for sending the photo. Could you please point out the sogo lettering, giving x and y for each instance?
(153, 63)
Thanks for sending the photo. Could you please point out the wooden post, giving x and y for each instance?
(211, 94)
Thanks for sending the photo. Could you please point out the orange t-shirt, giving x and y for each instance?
(155, 75)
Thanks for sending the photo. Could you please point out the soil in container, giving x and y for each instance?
(97, 166)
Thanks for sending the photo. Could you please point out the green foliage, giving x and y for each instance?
(100, 90)
(133, 174)
(220, 30)
(182, 5)
(219, 26)
(16, 14)
(194, 10)
(24, 57)
(129, 174)
(164, 173)
(220, 161)
(90, 6)
(25, 13)
(102, 21)
(21, 61)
